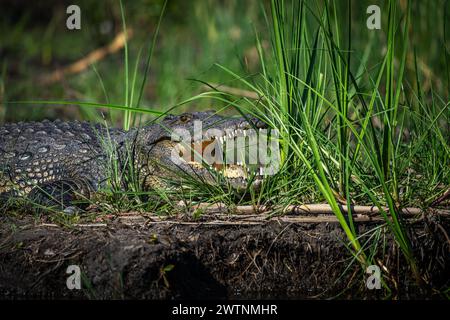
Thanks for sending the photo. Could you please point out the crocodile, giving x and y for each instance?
(60, 162)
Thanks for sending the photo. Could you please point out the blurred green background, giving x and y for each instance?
(193, 37)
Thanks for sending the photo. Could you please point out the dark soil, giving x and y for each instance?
(149, 260)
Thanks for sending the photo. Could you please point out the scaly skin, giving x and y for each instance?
(68, 160)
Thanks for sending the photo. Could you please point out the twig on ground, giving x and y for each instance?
(440, 199)
(81, 225)
(216, 214)
(307, 209)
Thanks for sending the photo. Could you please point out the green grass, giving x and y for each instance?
(326, 120)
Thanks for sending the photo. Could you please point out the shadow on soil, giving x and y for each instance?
(201, 261)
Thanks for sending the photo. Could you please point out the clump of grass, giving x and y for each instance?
(354, 144)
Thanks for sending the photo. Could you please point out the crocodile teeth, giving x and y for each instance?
(231, 134)
(239, 169)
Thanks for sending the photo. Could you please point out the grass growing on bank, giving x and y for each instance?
(368, 145)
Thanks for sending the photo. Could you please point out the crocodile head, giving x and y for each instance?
(205, 146)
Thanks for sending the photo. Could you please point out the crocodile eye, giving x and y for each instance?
(184, 118)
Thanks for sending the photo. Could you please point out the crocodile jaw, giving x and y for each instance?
(199, 139)
(238, 172)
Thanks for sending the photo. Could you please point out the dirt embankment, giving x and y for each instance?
(194, 260)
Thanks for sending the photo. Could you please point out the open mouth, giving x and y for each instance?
(234, 154)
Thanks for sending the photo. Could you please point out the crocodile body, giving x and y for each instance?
(41, 154)
(48, 158)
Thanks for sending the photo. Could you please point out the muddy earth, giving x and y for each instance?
(140, 258)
